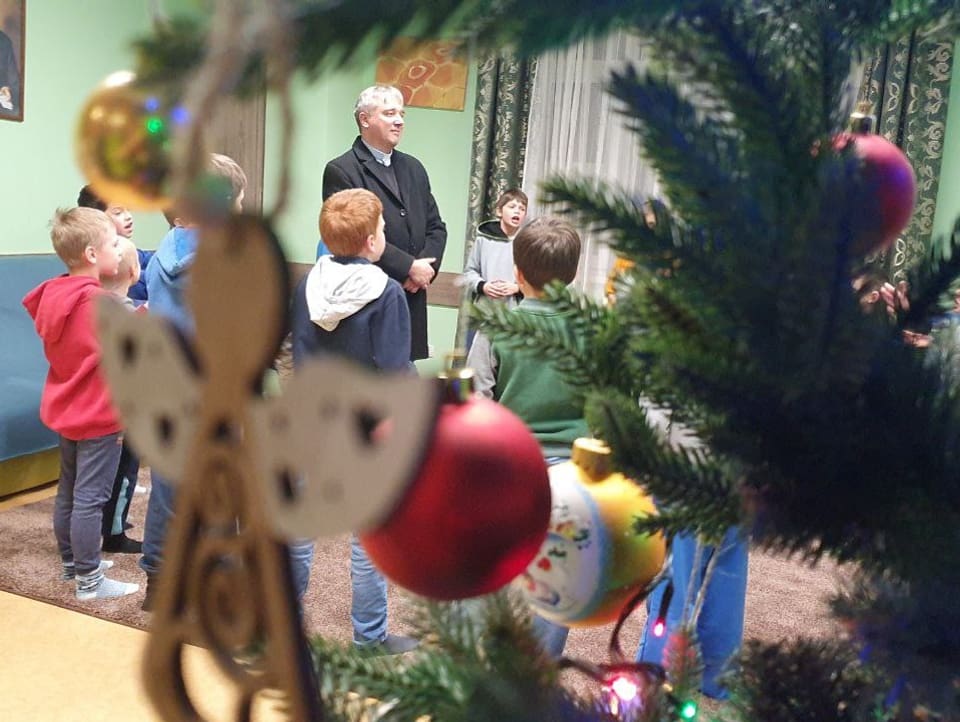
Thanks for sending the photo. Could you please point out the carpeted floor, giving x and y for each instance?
(785, 598)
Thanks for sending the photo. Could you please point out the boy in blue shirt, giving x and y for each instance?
(167, 274)
(348, 306)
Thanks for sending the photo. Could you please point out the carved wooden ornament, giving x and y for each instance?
(253, 473)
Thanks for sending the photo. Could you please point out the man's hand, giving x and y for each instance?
(895, 298)
(420, 274)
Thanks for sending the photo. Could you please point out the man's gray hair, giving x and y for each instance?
(373, 97)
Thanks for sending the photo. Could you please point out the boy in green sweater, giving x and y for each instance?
(545, 250)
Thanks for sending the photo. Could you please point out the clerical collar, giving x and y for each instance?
(378, 155)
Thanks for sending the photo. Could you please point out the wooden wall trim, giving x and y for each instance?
(238, 130)
(444, 291)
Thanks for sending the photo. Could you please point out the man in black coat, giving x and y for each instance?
(416, 235)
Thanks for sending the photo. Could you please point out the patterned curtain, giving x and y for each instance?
(908, 85)
(504, 85)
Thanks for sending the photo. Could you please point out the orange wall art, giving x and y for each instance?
(430, 74)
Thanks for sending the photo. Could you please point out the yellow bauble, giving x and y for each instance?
(123, 143)
(592, 561)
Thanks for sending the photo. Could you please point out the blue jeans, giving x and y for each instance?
(159, 513)
(368, 606)
(552, 636)
(301, 559)
(720, 626)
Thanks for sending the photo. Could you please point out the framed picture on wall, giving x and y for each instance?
(12, 39)
(429, 74)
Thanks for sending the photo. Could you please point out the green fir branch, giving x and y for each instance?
(533, 28)
(331, 34)
(173, 51)
(697, 157)
(802, 681)
(680, 479)
(933, 280)
(745, 72)
(900, 621)
(476, 664)
(600, 208)
(683, 662)
(434, 684)
(660, 248)
(590, 348)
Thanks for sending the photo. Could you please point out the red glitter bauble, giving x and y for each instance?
(477, 512)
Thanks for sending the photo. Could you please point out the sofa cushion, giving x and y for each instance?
(22, 363)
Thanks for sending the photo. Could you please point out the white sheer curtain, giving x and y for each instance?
(575, 131)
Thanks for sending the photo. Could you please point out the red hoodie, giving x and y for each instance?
(76, 401)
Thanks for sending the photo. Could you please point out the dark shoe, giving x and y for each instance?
(121, 544)
(395, 644)
(149, 591)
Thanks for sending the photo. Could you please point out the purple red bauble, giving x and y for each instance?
(888, 189)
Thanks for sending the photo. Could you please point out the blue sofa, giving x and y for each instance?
(28, 455)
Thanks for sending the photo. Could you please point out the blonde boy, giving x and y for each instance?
(76, 402)
(117, 508)
(128, 271)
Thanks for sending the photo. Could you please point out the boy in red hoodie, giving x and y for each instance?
(76, 402)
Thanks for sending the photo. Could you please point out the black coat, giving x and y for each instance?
(414, 228)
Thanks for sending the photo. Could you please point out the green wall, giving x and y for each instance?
(325, 128)
(70, 47)
(948, 194)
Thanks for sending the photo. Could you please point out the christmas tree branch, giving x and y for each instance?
(680, 479)
(458, 674)
(697, 157)
(590, 346)
(801, 680)
(931, 280)
(328, 34)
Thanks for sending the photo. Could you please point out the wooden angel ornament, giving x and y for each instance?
(252, 473)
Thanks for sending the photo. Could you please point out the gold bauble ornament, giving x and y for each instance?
(592, 561)
(123, 143)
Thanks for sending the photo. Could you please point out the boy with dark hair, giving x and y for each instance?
(76, 402)
(348, 306)
(545, 250)
(123, 222)
(167, 275)
(489, 269)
